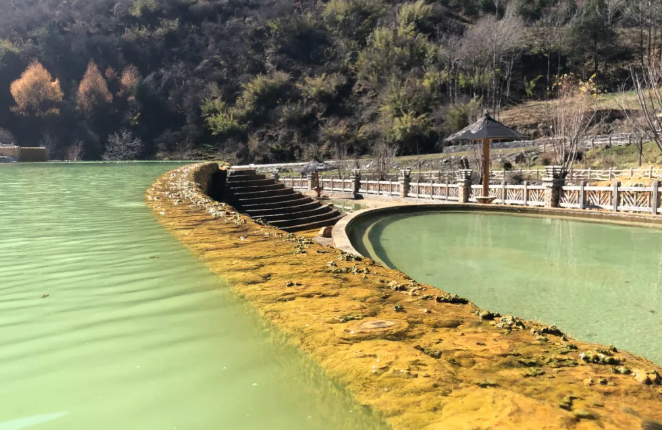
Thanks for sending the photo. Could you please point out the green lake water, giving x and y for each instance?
(601, 283)
(109, 323)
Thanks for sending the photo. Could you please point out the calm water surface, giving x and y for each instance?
(599, 282)
(133, 333)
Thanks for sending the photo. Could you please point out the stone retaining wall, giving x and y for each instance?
(10, 151)
(422, 358)
(33, 154)
(24, 154)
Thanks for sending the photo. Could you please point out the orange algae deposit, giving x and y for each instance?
(422, 358)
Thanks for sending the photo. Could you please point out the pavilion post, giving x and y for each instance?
(486, 167)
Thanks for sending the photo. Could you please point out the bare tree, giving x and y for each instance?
(490, 49)
(75, 152)
(645, 115)
(613, 8)
(341, 158)
(6, 138)
(183, 149)
(572, 113)
(123, 146)
(383, 154)
(50, 143)
(551, 34)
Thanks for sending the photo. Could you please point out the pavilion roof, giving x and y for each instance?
(316, 165)
(486, 128)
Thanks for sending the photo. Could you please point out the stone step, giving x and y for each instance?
(315, 210)
(242, 178)
(250, 182)
(285, 201)
(241, 172)
(305, 219)
(277, 210)
(233, 190)
(313, 225)
(262, 196)
(289, 212)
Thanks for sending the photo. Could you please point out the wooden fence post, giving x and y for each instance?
(650, 172)
(610, 176)
(447, 190)
(582, 198)
(656, 197)
(614, 198)
(503, 191)
(630, 172)
(526, 193)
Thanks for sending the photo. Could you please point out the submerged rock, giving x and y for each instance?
(582, 414)
(434, 353)
(566, 402)
(533, 372)
(487, 383)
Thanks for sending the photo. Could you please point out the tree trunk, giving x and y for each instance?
(595, 55)
(549, 55)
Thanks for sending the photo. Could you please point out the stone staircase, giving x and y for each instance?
(276, 205)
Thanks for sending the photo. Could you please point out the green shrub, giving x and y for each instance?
(390, 53)
(461, 115)
(414, 16)
(322, 88)
(263, 92)
(293, 114)
(220, 119)
(353, 19)
(402, 98)
(140, 7)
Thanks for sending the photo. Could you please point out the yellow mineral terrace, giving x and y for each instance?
(422, 358)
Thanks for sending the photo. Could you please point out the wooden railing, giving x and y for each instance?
(337, 184)
(615, 197)
(297, 183)
(384, 188)
(434, 191)
(539, 174)
(526, 195)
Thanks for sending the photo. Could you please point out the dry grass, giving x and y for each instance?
(531, 114)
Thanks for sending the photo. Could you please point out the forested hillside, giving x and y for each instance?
(278, 80)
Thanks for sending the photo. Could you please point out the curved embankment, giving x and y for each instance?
(409, 351)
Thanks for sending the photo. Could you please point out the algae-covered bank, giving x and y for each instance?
(422, 358)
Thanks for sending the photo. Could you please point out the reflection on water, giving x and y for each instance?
(107, 322)
(599, 282)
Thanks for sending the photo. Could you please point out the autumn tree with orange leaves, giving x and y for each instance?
(36, 93)
(93, 90)
(129, 82)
